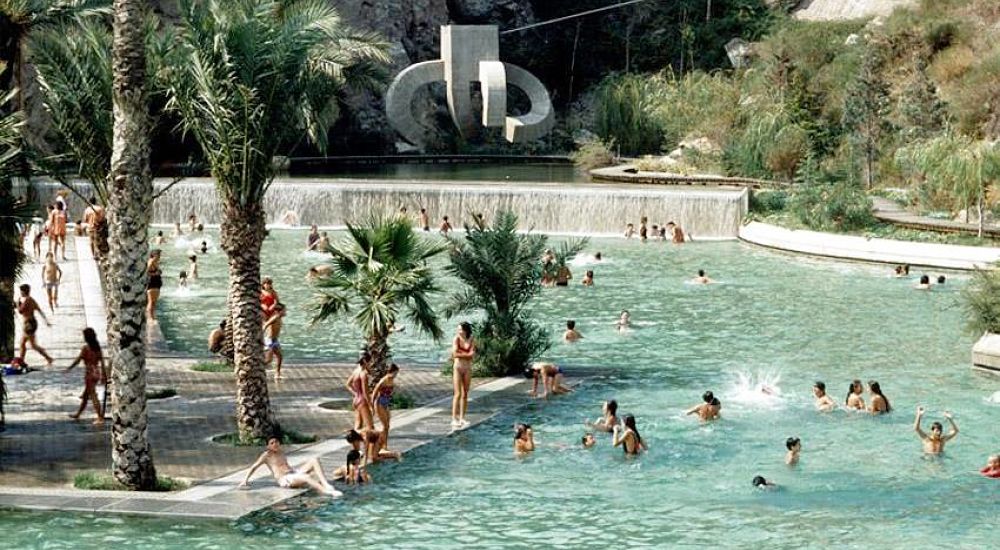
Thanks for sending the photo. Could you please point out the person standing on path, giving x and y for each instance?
(51, 276)
(153, 284)
(463, 351)
(357, 384)
(57, 230)
(382, 398)
(93, 361)
(27, 307)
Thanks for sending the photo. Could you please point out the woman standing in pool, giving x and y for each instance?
(854, 400)
(463, 351)
(879, 403)
(610, 419)
(357, 384)
(382, 396)
(629, 438)
(153, 284)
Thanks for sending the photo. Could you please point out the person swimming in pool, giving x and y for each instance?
(588, 440)
(627, 436)
(879, 403)
(824, 403)
(924, 284)
(794, 446)
(709, 410)
(551, 376)
(702, 279)
(854, 401)
(588, 278)
(624, 321)
(524, 439)
(609, 419)
(571, 334)
(934, 441)
(992, 468)
(762, 484)
(311, 474)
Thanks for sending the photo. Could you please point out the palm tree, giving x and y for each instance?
(379, 274)
(18, 20)
(259, 76)
(13, 212)
(131, 188)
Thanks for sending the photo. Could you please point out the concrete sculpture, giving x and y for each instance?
(471, 53)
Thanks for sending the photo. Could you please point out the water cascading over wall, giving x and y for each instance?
(557, 208)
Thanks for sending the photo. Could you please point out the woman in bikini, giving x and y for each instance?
(854, 400)
(382, 397)
(93, 361)
(463, 351)
(154, 284)
(357, 384)
(268, 297)
(629, 438)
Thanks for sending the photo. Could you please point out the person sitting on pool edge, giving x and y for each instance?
(709, 410)
(794, 446)
(551, 376)
(824, 402)
(357, 443)
(356, 472)
(934, 442)
(524, 439)
(571, 334)
(286, 476)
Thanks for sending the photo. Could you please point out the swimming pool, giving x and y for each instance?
(776, 319)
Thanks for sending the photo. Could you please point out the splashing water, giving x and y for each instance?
(995, 398)
(760, 390)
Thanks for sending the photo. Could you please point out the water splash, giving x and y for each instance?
(760, 390)
(995, 398)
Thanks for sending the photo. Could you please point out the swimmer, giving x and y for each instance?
(794, 446)
(676, 233)
(764, 485)
(992, 468)
(597, 257)
(312, 237)
(317, 271)
(204, 247)
(193, 267)
(182, 279)
(200, 228)
(551, 376)
(624, 321)
(445, 226)
(571, 334)
(217, 338)
(610, 419)
(934, 442)
(642, 229)
(824, 403)
(272, 332)
(311, 474)
(548, 256)
(322, 244)
(192, 223)
(563, 275)
(588, 278)
(879, 403)
(941, 279)
(159, 239)
(924, 284)
(177, 232)
(629, 230)
(629, 437)
(524, 439)
(854, 401)
(701, 279)
(425, 220)
(663, 233)
(588, 440)
(709, 410)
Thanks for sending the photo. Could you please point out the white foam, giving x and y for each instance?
(760, 390)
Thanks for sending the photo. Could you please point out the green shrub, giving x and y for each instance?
(593, 153)
(981, 301)
(211, 366)
(402, 401)
(828, 201)
(624, 113)
(768, 201)
(940, 35)
(106, 482)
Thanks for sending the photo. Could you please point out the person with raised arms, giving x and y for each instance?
(934, 441)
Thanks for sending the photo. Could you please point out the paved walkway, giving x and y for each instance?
(891, 212)
(42, 450)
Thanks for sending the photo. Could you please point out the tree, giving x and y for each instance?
(502, 273)
(922, 111)
(131, 189)
(259, 75)
(866, 111)
(13, 213)
(380, 274)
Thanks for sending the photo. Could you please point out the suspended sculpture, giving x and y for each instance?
(471, 53)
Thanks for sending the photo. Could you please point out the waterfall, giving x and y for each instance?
(557, 208)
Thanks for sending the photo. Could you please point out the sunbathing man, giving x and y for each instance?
(934, 442)
(287, 477)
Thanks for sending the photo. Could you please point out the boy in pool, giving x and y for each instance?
(588, 440)
(272, 331)
(764, 485)
(182, 279)
(524, 439)
(551, 376)
(934, 442)
(992, 468)
(624, 321)
(588, 278)
(709, 410)
(924, 284)
(571, 334)
(701, 279)
(794, 446)
(629, 230)
(824, 402)
(286, 476)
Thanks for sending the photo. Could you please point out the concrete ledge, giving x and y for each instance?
(986, 353)
(627, 173)
(862, 249)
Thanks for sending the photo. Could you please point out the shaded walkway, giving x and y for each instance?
(889, 211)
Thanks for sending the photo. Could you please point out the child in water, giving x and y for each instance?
(182, 279)
(794, 446)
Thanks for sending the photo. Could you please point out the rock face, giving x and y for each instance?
(829, 10)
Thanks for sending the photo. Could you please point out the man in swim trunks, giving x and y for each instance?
(217, 338)
(313, 237)
(272, 331)
(571, 334)
(94, 219)
(51, 276)
(934, 441)
(311, 474)
(425, 220)
(824, 402)
(27, 307)
(551, 376)
(445, 226)
(57, 230)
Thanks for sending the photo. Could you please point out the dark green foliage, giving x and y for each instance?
(768, 201)
(212, 366)
(287, 437)
(14, 213)
(866, 112)
(106, 482)
(922, 112)
(502, 274)
(981, 300)
(400, 401)
(830, 201)
(940, 35)
(624, 114)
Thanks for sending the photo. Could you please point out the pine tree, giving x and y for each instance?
(866, 111)
(922, 112)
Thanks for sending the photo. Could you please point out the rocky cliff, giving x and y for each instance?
(828, 10)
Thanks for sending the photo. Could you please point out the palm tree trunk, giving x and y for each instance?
(242, 235)
(379, 355)
(128, 215)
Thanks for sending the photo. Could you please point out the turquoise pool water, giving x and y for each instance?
(774, 319)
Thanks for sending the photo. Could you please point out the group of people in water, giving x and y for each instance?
(669, 231)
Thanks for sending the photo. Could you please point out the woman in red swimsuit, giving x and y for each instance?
(268, 297)
(357, 384)
(463, 351)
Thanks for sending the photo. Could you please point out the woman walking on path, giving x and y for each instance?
(93, 361)
(153, 284)
(382, 397)
(357, 384)
(463, 351)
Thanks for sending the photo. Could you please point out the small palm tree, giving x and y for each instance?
(380, 274)
(13, 213)
(258, 77)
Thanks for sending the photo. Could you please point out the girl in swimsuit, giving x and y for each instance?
(357, 384)
(154, 283)
(375, 447)
(854, 400)
(268, 297)
(93, 361)
(356, 474)
(629, 439)
(463, 351)
(382, 397)
(879, 403)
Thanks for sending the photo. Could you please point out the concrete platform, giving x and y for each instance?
(862, 249)
(986, 353)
